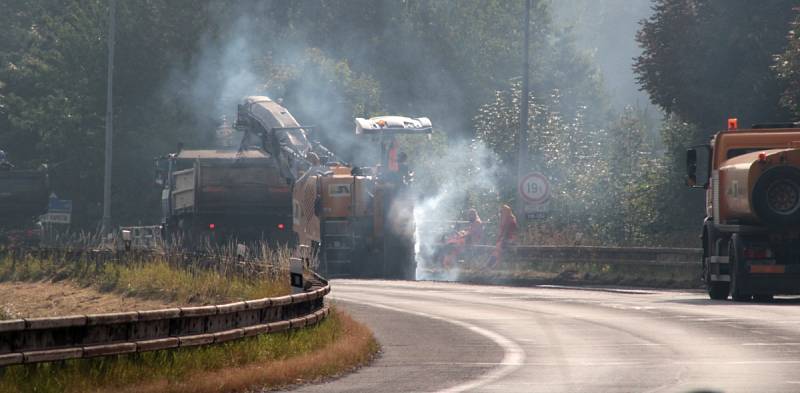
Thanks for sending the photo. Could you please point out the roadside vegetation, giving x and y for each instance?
(334, 346)
(585, 273)
(536, 271)
(158, 277)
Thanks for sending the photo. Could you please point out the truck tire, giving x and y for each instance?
(718, 290)
(737, 271)
(776, 196)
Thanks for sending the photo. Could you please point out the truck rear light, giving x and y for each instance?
(757, 253)
(733, 123)
(776, 269)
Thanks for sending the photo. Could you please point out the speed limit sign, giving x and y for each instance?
(534, 188)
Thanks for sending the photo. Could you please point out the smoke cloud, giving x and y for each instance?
(462, 176)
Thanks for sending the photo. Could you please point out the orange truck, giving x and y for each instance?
(751, 231)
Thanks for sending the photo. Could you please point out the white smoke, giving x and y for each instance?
(460, 176)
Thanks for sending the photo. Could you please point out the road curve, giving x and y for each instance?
(447, 337)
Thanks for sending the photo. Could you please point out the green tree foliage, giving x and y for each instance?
(566, 149)
(52, 91)
(610, 185)
(180, 65)
(707, 60)
(787, 67)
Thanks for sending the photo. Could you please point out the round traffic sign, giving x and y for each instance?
(534, 188)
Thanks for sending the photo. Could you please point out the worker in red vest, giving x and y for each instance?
(506, 235)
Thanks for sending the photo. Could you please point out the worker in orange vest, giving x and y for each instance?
(457, 243)
(506, 235)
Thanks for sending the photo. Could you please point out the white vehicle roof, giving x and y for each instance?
(393, 125)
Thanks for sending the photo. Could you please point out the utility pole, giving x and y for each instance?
(522, 135)
(106, 227)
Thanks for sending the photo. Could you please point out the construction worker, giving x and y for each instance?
(392, 156)
(457, 243)
(474, 233)
(506, 235)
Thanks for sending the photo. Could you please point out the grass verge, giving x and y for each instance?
(525, 273)
(332, 347)
(151, 278)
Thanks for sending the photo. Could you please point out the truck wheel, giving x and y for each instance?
(776, 196)
(737, 270)
(717, 290)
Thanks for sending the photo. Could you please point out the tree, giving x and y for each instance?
(787, 68)
(706, 60)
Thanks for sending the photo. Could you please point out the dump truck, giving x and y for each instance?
(239, 193)
(23, 198)
(359, 222)
(751, 230)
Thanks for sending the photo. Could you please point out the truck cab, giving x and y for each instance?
(751, 232)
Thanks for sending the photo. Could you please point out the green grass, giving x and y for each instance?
(171, 365)
(153, 278)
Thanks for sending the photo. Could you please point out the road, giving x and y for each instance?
(447, 337)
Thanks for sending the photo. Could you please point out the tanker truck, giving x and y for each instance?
(751, 230)
(242, 193)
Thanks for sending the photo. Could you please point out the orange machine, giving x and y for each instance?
(751, 232)
(360, 221)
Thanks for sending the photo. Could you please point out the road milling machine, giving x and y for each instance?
(751, 232)
(238, 193)
(359, 222)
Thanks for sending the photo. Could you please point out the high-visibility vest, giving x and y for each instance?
(393, 166)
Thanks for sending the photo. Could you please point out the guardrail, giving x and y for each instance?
(653, 256)
(33, 340)
(611, 255)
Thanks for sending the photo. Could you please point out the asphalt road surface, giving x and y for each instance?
(446, 337)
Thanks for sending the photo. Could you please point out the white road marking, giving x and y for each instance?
(513, 357)
(738, 363)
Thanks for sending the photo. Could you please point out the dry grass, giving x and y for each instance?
(331, 347)
(154, 278)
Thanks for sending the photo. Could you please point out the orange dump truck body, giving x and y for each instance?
(740, 158)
